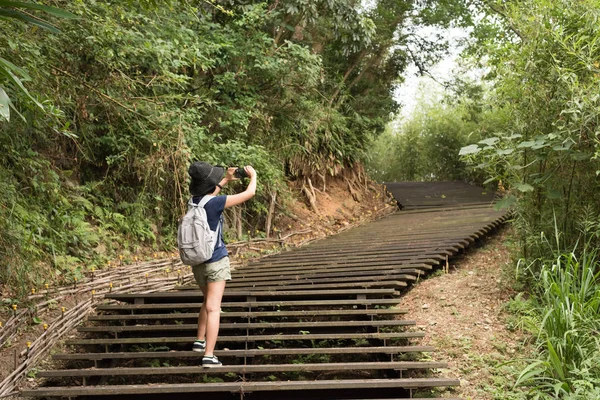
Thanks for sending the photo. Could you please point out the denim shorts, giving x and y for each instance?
(212, 272)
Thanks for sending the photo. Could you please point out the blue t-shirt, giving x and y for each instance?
(214, 213)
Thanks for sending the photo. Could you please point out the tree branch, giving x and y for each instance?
(503, 14)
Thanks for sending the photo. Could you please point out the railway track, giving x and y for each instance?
(324, 321)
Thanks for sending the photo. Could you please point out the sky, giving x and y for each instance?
(416, 86)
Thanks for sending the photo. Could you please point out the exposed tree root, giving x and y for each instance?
(310, 194)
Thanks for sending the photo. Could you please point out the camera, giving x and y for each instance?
(240, 173)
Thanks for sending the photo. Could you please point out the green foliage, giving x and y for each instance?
(569, 300)
(426, 146)
(543, 60)
(546, 81)
(133, 91)
(523, 313)
(11, 76)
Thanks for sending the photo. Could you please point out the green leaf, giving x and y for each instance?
(539, 144)
(505, 152)
(7, 65)
(517, 167)
(523, 187)
(471, 149)
(579, 156)
(4, 105)
(526, 144)
(505, 202)
(489, 141)
(28, 19)
(555, 361)
(562, 147)
(32, 6)
(14, 79)
(531, 372)
(37, 320)
(17, 112)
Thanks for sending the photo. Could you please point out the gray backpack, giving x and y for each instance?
(195, 240)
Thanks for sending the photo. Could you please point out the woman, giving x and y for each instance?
(211, 275)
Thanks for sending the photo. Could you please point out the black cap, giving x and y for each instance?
(205, 178)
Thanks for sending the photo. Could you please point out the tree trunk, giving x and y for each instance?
(346, 75)
(270, 214)
(238, 222)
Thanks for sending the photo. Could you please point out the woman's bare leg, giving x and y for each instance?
(202, 316)
(212, 306)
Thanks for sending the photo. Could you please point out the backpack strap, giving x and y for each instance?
(205, 200)
(201, 203)
(217, 233)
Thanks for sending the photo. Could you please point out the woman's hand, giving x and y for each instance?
(250, 171)
(229, 175)
(247, 194)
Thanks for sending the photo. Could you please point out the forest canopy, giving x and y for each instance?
(104, 104)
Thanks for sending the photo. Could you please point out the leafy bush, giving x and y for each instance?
(546, 77)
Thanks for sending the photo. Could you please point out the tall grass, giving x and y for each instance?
(568, 335)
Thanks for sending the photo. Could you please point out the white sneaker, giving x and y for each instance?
(199, 346)
(211, 361)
